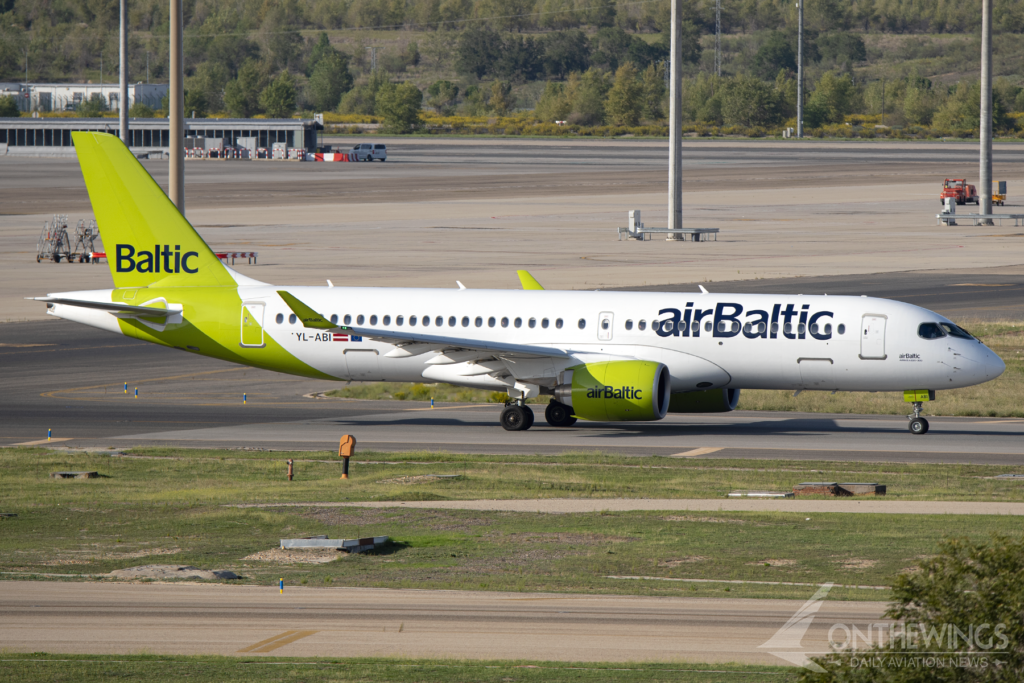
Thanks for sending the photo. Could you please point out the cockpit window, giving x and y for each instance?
(955, 331)
(930, 331)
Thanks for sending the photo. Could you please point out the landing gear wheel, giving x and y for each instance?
(529, 417)
(918, 425)
(558, 415)
(513, 418)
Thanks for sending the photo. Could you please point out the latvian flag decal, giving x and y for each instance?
(345, 338)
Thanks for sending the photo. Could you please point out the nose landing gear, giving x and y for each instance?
(917, 424)
(516, 416)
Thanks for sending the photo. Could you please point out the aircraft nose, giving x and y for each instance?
(994, 365)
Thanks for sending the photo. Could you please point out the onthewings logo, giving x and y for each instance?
(785, 644)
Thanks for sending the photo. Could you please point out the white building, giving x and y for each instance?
(68, 96)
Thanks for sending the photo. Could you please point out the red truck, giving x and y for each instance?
(959, 190)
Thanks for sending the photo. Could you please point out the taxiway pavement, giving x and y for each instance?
(70, 379)
(251, 621)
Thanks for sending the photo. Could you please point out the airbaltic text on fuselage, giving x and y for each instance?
(150, 261)
(796, 323)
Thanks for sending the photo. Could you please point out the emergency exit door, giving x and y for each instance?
(872, 337)
(252, 324)
(605, 321)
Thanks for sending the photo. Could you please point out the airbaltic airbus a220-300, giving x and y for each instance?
(612, 356)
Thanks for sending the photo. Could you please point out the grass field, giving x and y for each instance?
(86, 668)
(1003, 397)
(180, 507)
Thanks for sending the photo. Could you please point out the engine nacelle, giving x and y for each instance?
(710, 401)
(620, 390)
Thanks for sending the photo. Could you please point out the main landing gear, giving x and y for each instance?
(917, 425)
(516, 416)
(559, 415)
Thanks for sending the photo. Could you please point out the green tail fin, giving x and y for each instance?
(529, 282)
(146, 238)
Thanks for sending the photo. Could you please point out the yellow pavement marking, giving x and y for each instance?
(42, 441)
(277, 641)
(695, 451)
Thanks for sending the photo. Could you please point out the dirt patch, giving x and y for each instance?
(172, 571)
(420, 479)
(681, 560)
(90, 556)
(369, 521)
(773, 563)
(694, 518)
(858, 564)
(565, 538)
(295, 556)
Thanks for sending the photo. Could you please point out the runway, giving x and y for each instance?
(249, 621)
(70, 379)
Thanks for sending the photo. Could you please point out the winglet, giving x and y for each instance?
(529, 282)
(307, 315)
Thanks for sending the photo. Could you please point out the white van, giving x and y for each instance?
(368, 152)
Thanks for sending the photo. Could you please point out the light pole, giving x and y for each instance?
(675, 154)
(176, 113)
(986, 109)
(123, 89)
(800, 69)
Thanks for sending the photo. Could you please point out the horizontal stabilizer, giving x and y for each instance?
(106, 306)
(307, 316)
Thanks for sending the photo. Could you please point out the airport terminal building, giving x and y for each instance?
(52, 136)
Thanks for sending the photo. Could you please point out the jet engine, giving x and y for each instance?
(620, 390)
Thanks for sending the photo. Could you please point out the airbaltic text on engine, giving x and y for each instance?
(612, 392)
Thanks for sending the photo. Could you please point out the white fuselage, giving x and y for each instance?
(743, 341)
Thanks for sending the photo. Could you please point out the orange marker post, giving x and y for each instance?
(346, 449)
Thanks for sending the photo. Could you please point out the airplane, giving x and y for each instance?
(599, 355)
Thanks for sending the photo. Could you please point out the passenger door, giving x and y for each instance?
(252, 324)
(872, 337)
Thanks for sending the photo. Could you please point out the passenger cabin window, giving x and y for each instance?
(504, 322)
(519, 322)
(426, 321)
(582, 323)
(280, 318)
(360, 319)
(465, 321)
(400, 320)
(479, 321)
(655, 325)
(558, 323)
(412, 320)
(292, 319)
(707, 326)
(930, 331)
(841, 329)
(642, 325)
(955, 331)
(451, 321)
(629, 324)
(348, 319)
(532, 323)
(491, 322)
(544, 323)
(386, 321)
(439, 321)
(334, 319)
